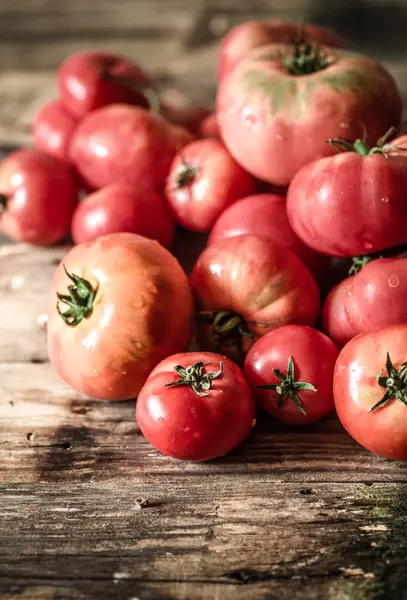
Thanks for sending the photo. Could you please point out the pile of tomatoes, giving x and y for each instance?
(298, 175)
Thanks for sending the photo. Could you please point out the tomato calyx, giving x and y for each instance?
(288, 386)
(362, 147)
(185, 174)
(226, 326)
(149, 94)
(394, 382)
(358, 262)
(79, 299)
(195, 378)
(307, 58)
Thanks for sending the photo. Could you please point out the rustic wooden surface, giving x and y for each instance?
(298, 515)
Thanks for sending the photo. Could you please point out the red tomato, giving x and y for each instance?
(88, 80)
(370, 390)
(190, 117)
(373, 298)
(252, 34)
(265, 214)
(351, 203)
(196, 406)
(246, 286)
(38, 196)
(120, 207)
(291, 370)
(124, 143)
(203, 181)
(53, 128)
(119, 305)
(209, 127)
(279, 106)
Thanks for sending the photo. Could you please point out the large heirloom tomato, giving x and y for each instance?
(252, 34)
(246, 286)
(373, 298)
(370, 390)
(265, 214)
(352, 203)
(291, 371)
(119, 304)
(280, 105)
(196, 406)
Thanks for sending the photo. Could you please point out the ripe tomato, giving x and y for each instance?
(196, 406)
(204, 179)
(370, 390)
(352, 203)
(53, 128)
(252, 34)
(124, 143)
(291, 370)
(282, 103)
(265, 214)
(373, 298)
(120, 207)
(38, 196)
(209, 127)
(88, 80)
(119, 304)
(246, 286)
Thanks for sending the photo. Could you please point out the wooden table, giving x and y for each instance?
(87, 508)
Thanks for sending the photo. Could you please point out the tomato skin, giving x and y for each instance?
(141, 314)
(314, 356)
(84, 86)
(373, 298)
(187, 427)
(265, 114)
(41, 197)
(120, 207)
(189, 117)
(124, 143)
(53, 128)
(209, 127)
(356, 391)
(265, 214)
(256, 278)
(218, 182)
(366, 194)
(247, 36)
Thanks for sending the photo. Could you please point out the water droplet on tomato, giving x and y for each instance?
(349, 293)
(96, 372)
(150, 285)
(368, 246)
(250, 120)
(393, 281)
(139, 302)
(386, 200)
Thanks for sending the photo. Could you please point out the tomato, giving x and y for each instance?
(88, 80)
(375, 297)
(352, 203)
(203, 180)
(189, 117)
(253, 34)
(281, 103)
(120, 207)
(265, 214)
(38, 196)
(246, 286)
(119, 304)
(124, 143)
(370, 390)
(196, 406)
(291, 370)
(209, 127)
(53, 128)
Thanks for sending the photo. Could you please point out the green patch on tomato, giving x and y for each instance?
(347, 80)
(279, 90)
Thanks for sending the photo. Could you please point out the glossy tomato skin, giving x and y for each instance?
(259, 280)
(314, 356)
(218, 181)
(185, 426)
(41, 196)
(53, 128)
(120, 207)
(350, 204)
(88, 80)
(253, 34)
(274, 123)
(265, 214)
(374, 298)
(142, 313)
(125, 143)
(356, 390)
